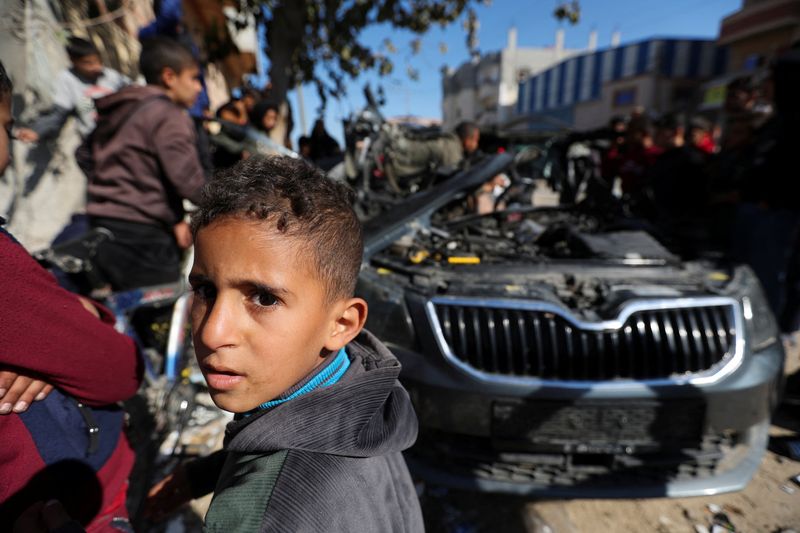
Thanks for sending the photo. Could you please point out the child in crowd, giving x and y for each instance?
(76, 89)
(320, 416)
(144, 161)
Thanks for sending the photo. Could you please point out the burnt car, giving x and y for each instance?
(564, 351)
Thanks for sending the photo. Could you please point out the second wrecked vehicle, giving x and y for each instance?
(562, 352)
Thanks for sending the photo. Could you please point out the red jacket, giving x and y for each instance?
(44, 452)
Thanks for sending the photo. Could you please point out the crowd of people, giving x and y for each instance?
(722, 183)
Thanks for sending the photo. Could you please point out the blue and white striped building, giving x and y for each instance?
(587, 89)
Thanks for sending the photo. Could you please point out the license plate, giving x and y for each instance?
(594, 425)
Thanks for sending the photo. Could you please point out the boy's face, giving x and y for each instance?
(6, 122)
(260, 319)
(184, 86)
(89, 67)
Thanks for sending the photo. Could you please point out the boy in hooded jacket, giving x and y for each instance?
(144, 163)
(321, 419)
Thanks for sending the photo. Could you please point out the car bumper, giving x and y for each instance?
(627, 440)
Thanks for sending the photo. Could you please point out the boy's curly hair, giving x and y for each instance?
(301, 203)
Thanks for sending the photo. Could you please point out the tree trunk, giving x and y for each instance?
(284, 34)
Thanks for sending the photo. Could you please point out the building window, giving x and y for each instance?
(624, 97)
(523, 74)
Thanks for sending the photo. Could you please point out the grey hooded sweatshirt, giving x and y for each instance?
(328, 460)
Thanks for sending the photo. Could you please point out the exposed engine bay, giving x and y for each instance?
(566, 256)
(529, 234)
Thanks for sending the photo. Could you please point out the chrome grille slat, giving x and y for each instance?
(644, 357)
(537, 335)
(569, 352)
(643, 344)
(552, 330)
(586, 356)
(630, 351)
(683, 336)
(462, 327)
(662, 368)
(722, 334)
(476, 328)
(599, 345)
(708, 334)
(696, 337)
(508, 346)
(491, 335)
(522, 331)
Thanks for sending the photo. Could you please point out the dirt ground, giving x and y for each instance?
(769, 504)
(764, 506)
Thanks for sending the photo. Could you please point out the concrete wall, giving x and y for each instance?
(43, 186)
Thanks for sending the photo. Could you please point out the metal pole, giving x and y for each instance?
(301, 107)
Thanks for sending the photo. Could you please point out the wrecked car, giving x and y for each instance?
(562, 352)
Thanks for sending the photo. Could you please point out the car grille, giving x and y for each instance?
(531, 339)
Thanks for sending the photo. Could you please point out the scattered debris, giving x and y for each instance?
(720, 523)
(700, 528)
(788, 490)
(795, 480)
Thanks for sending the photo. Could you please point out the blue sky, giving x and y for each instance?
(634, 19)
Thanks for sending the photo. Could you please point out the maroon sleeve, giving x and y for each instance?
(45, 330)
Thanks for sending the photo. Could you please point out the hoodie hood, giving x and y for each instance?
(365, 414)
(113, 110)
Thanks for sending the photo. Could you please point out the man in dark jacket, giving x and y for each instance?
(145, 163)
(321, 420)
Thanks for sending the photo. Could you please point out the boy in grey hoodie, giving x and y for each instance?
(320, 416)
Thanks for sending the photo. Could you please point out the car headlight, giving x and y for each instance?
(762, 328)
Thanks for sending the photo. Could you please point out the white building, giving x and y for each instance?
(485, 89)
